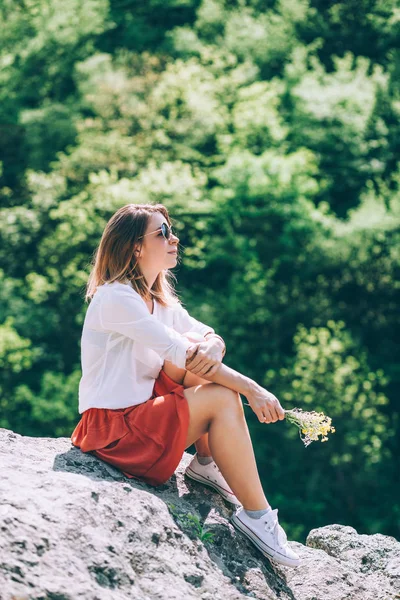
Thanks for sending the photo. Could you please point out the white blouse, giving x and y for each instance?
(123, 346)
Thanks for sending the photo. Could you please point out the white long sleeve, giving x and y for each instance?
(183, 322)
(126, 313)
(123, 346)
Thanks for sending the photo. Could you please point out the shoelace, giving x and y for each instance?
(277, 531)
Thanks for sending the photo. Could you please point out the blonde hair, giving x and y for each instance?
(114, 258)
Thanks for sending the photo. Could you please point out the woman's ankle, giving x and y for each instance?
(255, 507)
(257, 514)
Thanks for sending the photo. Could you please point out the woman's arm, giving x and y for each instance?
(183, 322)
(217, 340)
(123, 312)
(232, 379)
(224, 375)
(264, 404)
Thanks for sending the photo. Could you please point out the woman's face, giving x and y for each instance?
(157, 253)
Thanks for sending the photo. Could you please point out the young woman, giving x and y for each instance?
(153, 382)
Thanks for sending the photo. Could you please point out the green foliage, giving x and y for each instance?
(330, 374)
(337, 115)
(191, 524)
(46, 412)
(47, 130)
(271, 132)
(15, 351)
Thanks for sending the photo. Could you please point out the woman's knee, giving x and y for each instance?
(213, 398)
(229, 399)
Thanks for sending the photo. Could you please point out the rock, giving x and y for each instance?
(73, 527)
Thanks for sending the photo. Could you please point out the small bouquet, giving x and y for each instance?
(311, 424)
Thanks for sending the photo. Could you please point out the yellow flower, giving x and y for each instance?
(311, 424)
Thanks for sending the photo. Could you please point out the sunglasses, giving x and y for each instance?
(165, 229)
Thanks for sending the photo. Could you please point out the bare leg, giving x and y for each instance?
(232, 450)
(216, 411)
(189, 379)
(202, 446)
(218, 426)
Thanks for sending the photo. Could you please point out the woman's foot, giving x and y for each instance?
(267, 535)
(210, 475)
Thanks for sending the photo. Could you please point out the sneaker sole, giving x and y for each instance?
(196, 477)
(283, 560)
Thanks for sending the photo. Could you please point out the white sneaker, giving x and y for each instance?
(267, 535)
(210, 475)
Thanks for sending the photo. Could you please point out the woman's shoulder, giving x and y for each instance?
(115, 285)
(121, 289)
(117, 288)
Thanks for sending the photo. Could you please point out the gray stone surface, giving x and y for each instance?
(73, 527)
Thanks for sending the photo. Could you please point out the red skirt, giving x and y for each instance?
(145, 441)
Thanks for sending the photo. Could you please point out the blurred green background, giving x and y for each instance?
(271, 131)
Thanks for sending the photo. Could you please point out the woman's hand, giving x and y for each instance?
(204, 358)
(266, 406)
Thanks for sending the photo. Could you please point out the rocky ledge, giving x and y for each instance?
(73, 527)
